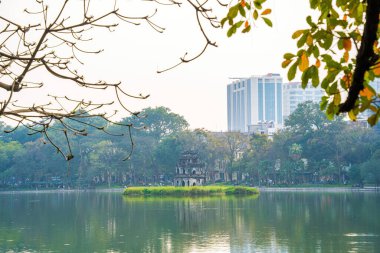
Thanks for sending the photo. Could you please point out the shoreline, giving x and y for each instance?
(261, 189)
(319, 189)
(117, 190)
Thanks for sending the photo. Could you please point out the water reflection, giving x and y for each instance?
(107, 222)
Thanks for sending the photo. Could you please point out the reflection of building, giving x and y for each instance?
(294, 95)
(190, 171)
(253, 100)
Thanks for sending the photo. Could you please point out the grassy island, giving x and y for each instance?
(190, 191)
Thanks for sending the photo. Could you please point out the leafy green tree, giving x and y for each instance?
(157, 122)
(104, 160)
(370, 170)
(343, 40)
(306, 119)
(8, 151)
(151, 129)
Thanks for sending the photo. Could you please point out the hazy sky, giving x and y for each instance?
(196, 90)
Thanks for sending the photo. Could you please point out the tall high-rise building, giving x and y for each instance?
(253, 101)
(294, 94)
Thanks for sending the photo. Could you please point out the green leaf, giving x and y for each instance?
(305, 78)
(267, 21)
(232, 13)
(302, 40)
(310, 22)
(330, 111)
(327, 42)
(333, 88)
(241, 10)
(314, 76)
(292, 71)
(316, 52)
(223, 21)
(314, 4)
(231, 31)
(288, 56)
(372, 120)
(340, 44)
(238, 24)
(323, 103)
(257, 4)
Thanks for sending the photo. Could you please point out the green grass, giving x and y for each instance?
(190, 191)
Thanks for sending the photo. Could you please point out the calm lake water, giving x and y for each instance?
(108, 222)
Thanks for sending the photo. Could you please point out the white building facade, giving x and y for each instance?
(253, 101)
(294, 94)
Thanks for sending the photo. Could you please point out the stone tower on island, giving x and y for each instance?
(190, 170)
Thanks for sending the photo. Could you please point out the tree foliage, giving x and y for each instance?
(338, 51)
(336, 152)
(42, 41)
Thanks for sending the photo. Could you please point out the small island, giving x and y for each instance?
(190, 191)
(189, 180)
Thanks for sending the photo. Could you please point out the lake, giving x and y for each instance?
(94, 221)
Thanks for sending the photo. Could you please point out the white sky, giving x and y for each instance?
(196, 90)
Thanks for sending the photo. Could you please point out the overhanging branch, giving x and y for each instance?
(365, 57)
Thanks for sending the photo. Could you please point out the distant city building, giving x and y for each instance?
(266, 128)
(254, 100)
(294, 95)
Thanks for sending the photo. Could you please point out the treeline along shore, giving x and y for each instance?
(309, 150)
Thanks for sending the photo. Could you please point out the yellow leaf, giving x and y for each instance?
(373, 108)
(317, 63)
(366, 93)
(266, 12)
(309, 40)
(286, 63)
(347, 44)
(376, 70)
(346, 56)
(337, 99)
(296, 34)
(347, 79)
(304, 63)
(352, 115)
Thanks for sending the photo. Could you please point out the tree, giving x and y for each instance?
(306, 119)
(7, 154)
(370, 171)
(344, 28)
(158, 122)
(154, 129)
(236, 143)
(53, 37)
